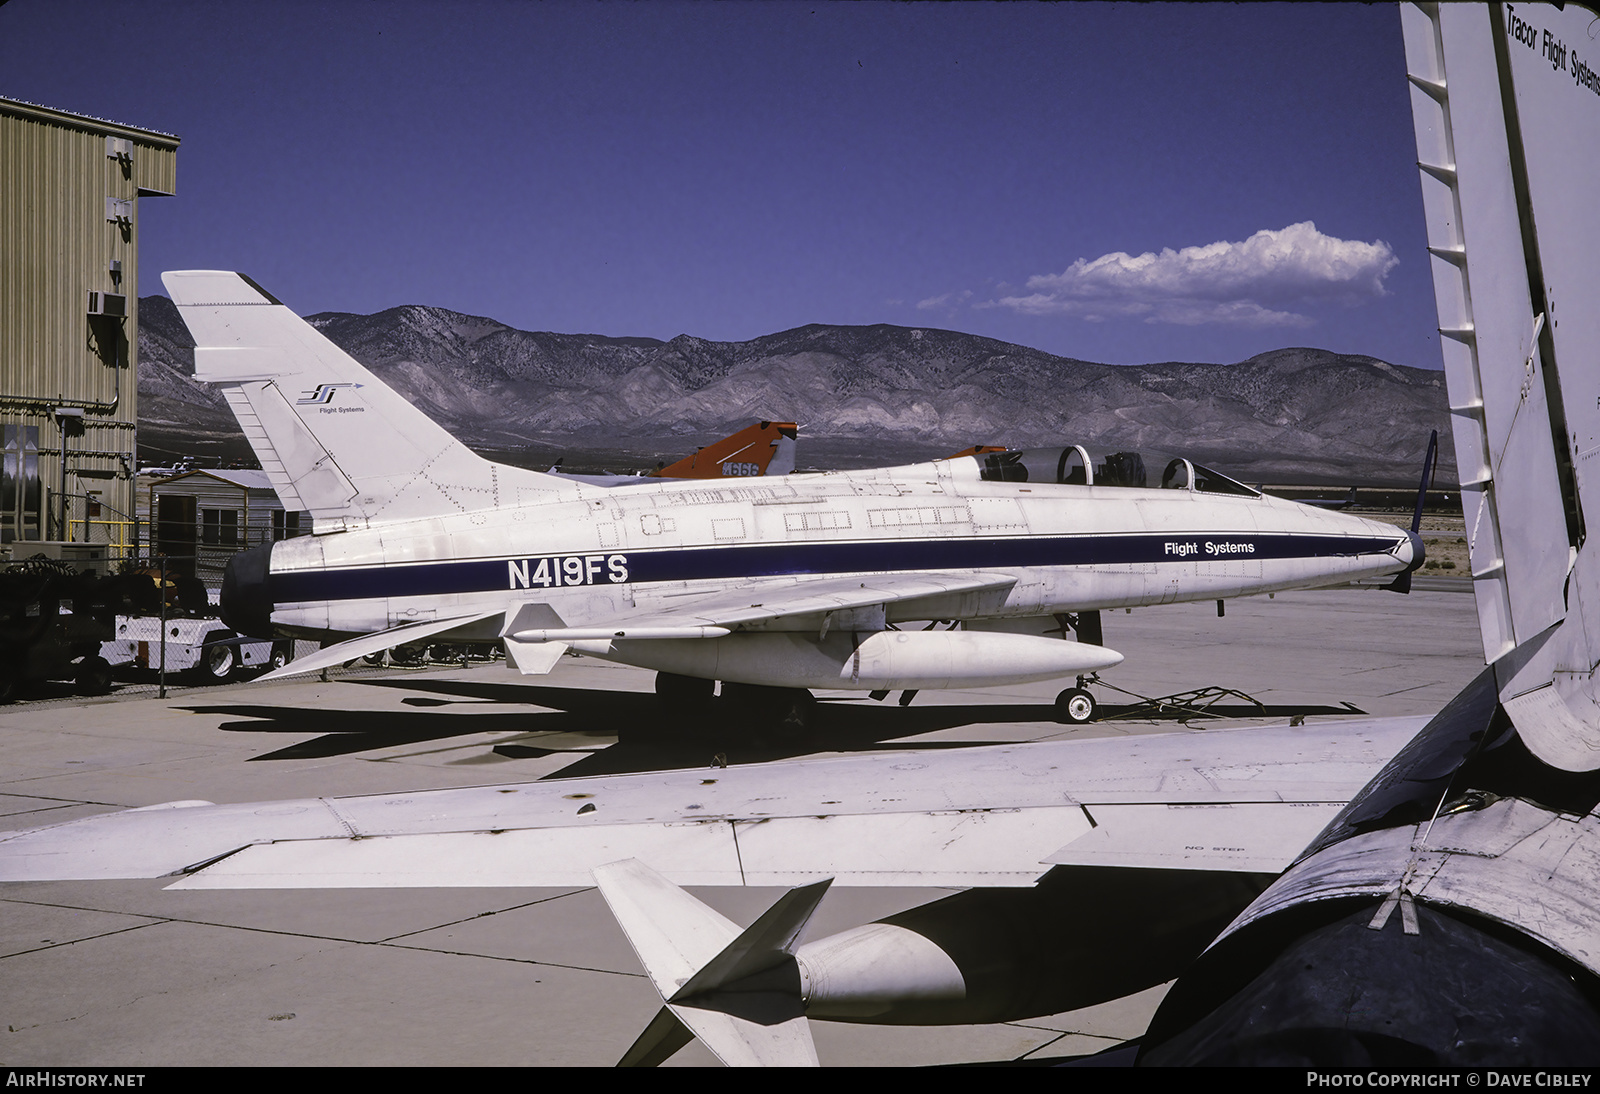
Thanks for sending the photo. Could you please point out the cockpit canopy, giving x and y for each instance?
(1073, 466)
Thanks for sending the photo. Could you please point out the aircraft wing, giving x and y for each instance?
(694, 615)
(1238, 800)
(697, 615)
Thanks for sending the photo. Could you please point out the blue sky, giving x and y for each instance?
(1121, 183)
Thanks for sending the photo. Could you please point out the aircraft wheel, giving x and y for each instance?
(94, 676)
(282, 654)
(1075, 706)
(218, 663)
(406, 655)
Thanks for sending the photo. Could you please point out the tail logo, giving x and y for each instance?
(321, 395)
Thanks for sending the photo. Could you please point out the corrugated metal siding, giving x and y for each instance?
(254, 507)
(155, 169)
(254, 504)
(56, 245)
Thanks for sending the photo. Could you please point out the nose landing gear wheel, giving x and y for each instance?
(1075, 706)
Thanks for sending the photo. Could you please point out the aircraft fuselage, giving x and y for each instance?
(609, 552)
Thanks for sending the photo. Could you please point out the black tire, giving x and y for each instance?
(282, 654)
(1075, 707)
(93, 676)
(217, 663)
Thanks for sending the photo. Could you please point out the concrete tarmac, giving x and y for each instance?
(125, 974)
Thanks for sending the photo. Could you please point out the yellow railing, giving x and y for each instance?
(118, 534)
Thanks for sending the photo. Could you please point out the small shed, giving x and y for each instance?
(201, 519)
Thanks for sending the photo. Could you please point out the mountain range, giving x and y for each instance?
(863, 395)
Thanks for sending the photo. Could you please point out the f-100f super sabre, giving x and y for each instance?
(1446, 916)
(958, 573)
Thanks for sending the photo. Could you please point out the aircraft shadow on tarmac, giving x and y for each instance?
(650, 740)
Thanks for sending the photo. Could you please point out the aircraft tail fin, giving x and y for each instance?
(737, 991)
(332, 437)
(1508, 147)
(766, 448)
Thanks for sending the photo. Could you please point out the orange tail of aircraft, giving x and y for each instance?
(766, 448)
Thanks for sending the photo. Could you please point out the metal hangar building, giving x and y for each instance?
(69, 325)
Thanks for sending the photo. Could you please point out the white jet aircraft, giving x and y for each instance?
(1447, 915)
(786, 584)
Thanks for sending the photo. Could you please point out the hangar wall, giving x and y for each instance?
(69, 290)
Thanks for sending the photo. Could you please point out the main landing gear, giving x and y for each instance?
(780, 715)
(1076, 706)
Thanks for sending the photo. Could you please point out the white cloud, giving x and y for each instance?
(1253, 283)
(944, 301)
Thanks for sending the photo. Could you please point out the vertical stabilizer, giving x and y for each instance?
(1506, 101)
(766, 448)
(332, 437)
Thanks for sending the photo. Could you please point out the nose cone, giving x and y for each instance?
(1412, 553)
(246, 600)
(1095, 658)
(1400, 544)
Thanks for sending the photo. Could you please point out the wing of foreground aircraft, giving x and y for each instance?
(1044, 831)
(981, 816)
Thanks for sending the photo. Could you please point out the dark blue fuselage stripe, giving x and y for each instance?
(791, 559)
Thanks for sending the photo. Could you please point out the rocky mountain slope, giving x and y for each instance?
(863, 396)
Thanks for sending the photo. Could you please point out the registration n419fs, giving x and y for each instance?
(957, 573)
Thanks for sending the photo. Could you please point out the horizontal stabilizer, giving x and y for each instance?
(350, 649)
